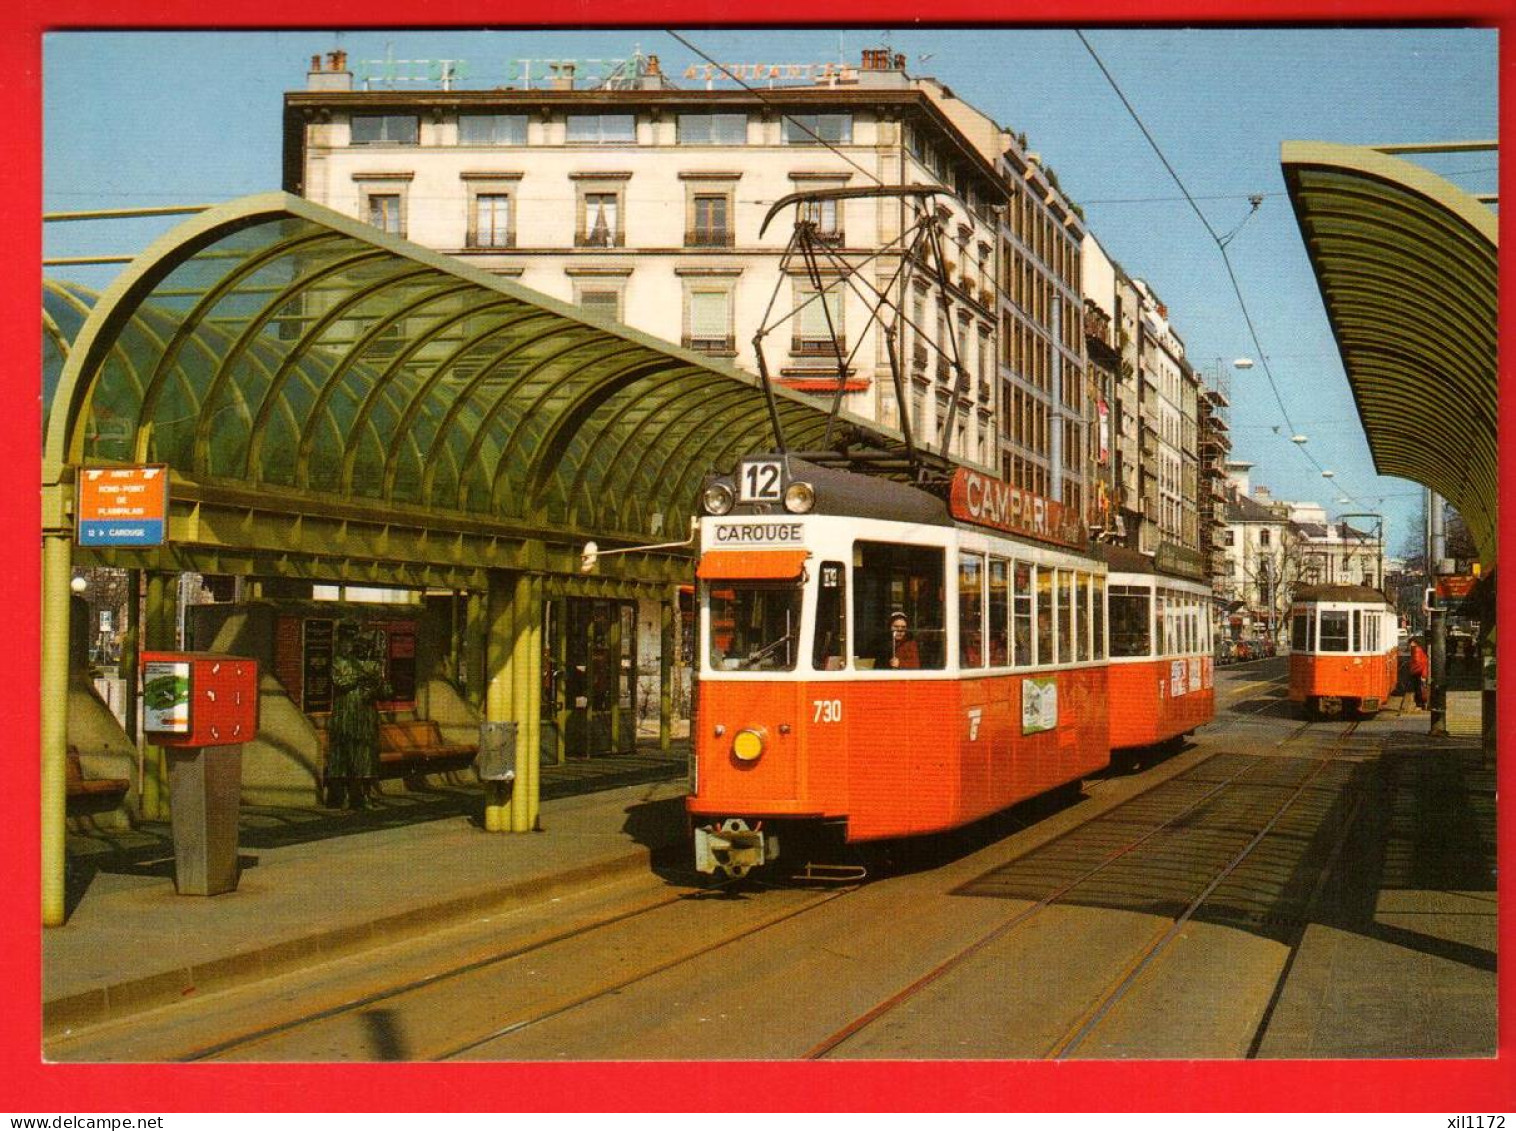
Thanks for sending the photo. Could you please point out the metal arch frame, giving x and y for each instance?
(554, 444)
(352, 358)
(553, 387)
(695, 429)
(387, 376)
(249, 336)
(418, 401)
(673, 376)
(292, 365)
(1375, 227)
(604, 440)
(189, 325)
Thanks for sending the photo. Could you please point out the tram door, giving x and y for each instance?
(600, 677)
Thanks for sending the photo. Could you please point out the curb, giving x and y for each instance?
(124, 999)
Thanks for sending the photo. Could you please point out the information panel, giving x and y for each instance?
(122, 506)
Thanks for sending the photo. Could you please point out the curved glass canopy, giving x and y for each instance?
(304, 362)
(1407, 265)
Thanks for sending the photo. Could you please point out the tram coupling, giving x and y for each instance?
(733, 847)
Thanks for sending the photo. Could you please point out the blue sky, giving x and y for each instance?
(146, 119)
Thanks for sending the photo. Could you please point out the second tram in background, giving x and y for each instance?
(879, 662)
(1344, 651)
(1162, 677)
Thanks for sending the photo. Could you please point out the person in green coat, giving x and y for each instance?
(352, 761)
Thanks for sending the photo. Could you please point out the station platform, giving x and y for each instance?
(1408, 947)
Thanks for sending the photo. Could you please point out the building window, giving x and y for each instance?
(602, 129)
(712, 129)
(491, 222)
(709, 220)
(708, 319)
(384, 212)
(818, 315)
(600, 220)
(826, 215)
(385, 129)
(1263, 537)
(818, 129)
(601, 302)
(491, 129)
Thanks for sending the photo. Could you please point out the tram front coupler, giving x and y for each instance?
(733, 847)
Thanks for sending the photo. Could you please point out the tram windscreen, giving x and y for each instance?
(1334, 632)
(754, 626)
(1129, 621)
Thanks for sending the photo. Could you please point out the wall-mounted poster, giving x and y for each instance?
(1039, 705)
(316, 665)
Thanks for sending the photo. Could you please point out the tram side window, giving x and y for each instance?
(1129, 621)
(1099, 617)
(889, 578)
(1357, 643)
(1297, 632)
(1334, 631)
(1160, 626)
(1065, 606)
(999, 612)
(829, 652)
(970, 610)
(1086, 624)
(754, 626)
(1021, 612)
(1044, 637)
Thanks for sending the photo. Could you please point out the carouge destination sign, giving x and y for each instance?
(758, 534)
(122, 506)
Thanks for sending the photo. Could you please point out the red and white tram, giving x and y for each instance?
(1162, 680)
(1344, 651)
(817, 712)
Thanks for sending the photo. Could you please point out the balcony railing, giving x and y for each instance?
(709, 237)
(726, 345)
(817, 347)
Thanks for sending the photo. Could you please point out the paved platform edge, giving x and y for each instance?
(122, 999)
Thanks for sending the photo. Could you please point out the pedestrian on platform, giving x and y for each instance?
(1421, 671)
(352, 761)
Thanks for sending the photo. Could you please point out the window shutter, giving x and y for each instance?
(708, 314)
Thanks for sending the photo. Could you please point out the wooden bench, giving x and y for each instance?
(94, 795)
(404, 744)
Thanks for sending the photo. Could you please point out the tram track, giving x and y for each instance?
(1090, 1018)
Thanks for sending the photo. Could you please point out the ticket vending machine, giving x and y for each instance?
(202, 706)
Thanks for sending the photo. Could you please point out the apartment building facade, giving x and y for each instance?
(642, 203)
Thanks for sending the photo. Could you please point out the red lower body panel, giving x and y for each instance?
(895, 758)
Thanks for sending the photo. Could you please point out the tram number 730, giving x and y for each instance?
(760, 481)
(827, 710)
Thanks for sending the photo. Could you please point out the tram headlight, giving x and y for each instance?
(717, 498)
(748, 743)
(799, 498)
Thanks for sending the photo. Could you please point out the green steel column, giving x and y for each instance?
(159, 633)
(57, 552)
(560, 684)
(533, 723)
(131, 641)
(480, 626)
(521, 676)
(666, 678)
(613, 650)
(498, 638)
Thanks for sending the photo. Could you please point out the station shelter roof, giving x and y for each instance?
(1407, 266)
(319, 387)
